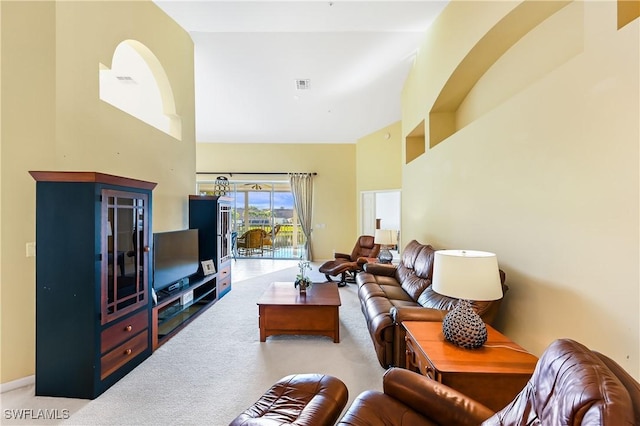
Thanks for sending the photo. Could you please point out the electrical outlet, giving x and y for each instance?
(31, 249)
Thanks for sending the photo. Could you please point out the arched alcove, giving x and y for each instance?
(484, 54)
(137, 84)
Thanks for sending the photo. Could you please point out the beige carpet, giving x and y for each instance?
(216, 367)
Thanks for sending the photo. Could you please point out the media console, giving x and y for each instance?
(175, 309)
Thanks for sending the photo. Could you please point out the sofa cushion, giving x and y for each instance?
(430, 299)
(424, 262)
(410, 253)
(415, 285)
(394, 293)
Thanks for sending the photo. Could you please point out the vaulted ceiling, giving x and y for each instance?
(353, 55)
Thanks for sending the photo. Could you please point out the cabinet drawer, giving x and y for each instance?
(224, 285)
(418, 361)
(224, 272)
(123, 330)
(124, 353)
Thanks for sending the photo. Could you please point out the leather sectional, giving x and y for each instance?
(392, 294)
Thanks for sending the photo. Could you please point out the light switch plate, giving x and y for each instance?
(31, 249)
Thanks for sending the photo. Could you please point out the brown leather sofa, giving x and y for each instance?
(571, 385)
(392, 294)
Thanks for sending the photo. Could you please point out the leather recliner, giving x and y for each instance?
(347, 265)
(571, 385)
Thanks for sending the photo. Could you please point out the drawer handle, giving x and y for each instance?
(128, 328)
(127, 351)
(430, 372)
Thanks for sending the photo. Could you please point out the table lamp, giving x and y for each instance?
(385, 237)
(466, 275)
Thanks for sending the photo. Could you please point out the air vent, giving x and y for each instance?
(303, 84)
(126, 79)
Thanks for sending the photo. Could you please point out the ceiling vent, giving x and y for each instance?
(126, 79)
(303, 84)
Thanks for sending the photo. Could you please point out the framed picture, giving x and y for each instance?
(207, 267)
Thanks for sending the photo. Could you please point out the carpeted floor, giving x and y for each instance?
(216, 367)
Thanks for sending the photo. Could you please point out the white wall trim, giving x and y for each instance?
(25, 381)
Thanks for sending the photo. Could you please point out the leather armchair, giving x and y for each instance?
(348, 264)
(571, 385)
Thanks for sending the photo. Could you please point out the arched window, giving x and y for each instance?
(137, 84)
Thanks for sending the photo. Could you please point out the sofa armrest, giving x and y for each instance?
(342, 256)
(416, 313)
(380, 269)
(432, 399)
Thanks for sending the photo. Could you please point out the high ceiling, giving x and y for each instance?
(249, 55)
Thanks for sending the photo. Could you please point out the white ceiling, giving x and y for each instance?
(249, 54)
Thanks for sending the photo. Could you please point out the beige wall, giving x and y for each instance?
(334, 186)
(52, 119)
(543, 170)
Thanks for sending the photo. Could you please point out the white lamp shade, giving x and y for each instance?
(386, 237)
(467, 274)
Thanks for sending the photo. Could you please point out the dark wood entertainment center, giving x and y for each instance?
(95, 315)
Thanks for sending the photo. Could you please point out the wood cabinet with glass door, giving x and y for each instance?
(211, 215)
(93, 304)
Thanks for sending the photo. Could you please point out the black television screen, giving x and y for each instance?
(175, 256)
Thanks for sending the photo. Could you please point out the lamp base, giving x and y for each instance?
(463, 327)
(385, 256)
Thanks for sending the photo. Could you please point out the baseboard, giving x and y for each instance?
(15, 384)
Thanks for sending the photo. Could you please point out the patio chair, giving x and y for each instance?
(270, 238)
(251, 242)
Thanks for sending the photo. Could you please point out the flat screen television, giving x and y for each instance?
(175, 256)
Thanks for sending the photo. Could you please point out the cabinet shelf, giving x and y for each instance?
(170, 314)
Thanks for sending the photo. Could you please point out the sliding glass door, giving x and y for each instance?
(264, 219)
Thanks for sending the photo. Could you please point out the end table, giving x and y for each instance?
(492, 374)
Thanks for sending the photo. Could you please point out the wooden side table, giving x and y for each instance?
(493, 374)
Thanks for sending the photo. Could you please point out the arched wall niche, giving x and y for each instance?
(506, 33)
(137, 84)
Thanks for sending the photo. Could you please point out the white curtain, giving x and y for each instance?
(302, 190)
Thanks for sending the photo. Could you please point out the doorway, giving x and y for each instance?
(380, 210)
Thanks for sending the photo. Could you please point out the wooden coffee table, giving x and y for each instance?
(492, 374)
(283, 311)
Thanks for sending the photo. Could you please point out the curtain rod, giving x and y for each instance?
(252, 173)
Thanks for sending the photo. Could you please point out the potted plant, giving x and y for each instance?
(302, 280)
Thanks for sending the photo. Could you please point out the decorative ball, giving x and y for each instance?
(462, 326)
